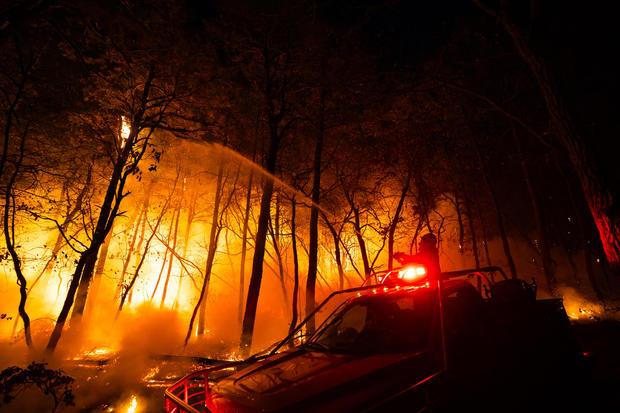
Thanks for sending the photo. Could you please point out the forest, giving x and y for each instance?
(193, 177)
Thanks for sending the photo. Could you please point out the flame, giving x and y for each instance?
(234, 356)
(150, 374)
(98, 353)
(125, 130)
(579, 308)
(133, 405)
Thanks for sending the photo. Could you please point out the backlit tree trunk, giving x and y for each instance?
(213, 240)
(276, 247)
(396, 219)
(174, 246)
(109, 209)
(337, 253)
(273, 95)
(295, 267)
(244, 244)
(9, 238)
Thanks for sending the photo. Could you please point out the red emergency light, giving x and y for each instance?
(411, 274)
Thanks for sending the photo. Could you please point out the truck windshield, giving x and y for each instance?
(377, 325)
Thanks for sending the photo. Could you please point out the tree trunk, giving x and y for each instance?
(360, 240)
(274, 116)
(337, 253)
(165, 261)
(313, 247)
(60, 241)
(457, 207)
(485, 238)
(85, 257)
(191, 211)
(585, 245)
(244, 245)
(127, 291)
(472, 228)
(498, 210)
(545, 249)
(140, 222)
(295, 267)
(275, 238)
(9, 238)
(112, 200)
(394, 223)
(259, 246)
(174, 246)
(213, 240)
(99, 268)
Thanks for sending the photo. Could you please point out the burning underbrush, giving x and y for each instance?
(117, 365)
(582, 310)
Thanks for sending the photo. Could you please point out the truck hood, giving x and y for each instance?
(288, 378)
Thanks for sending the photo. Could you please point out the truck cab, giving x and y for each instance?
(403, 343)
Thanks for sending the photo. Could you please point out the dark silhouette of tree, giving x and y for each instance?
(598, 193)
(54, 383)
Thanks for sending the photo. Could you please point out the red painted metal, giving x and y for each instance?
(188, 395)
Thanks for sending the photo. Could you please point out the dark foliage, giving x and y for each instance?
(14, 380)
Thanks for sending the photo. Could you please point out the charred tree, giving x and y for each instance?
(129, 152)
(71, 212)
(9, 238)
(275, 95)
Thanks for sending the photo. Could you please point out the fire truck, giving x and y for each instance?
(405, 341)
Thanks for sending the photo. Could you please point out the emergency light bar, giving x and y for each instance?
(410, 274)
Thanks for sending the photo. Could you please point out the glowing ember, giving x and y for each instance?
(98, 353)
(151, 374)
(579, 308)
(234, 356)
(133, 405)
